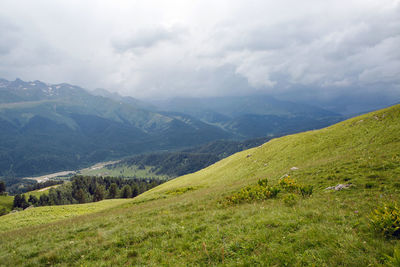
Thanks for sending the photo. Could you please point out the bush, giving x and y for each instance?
(288, 184)
(253, 193)
(263, 182)
(386, 220)
(306, 190)
(290, 200)
(261, 191)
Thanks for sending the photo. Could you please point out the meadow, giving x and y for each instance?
(188, 220)
(123, 171)
(6, 203)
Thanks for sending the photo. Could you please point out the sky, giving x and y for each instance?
(154, 49)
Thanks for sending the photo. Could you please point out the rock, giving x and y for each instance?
(339, 187)
(294, 169)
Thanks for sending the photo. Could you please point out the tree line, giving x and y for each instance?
(2, 188)
(85, 189)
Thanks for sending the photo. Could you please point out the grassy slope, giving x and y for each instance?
(196, 227)
(124, 171)
(42, 215)
(6, 202)
(39, 192)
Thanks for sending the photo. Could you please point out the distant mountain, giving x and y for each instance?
(123, 99)
(354, 105)
(253, 116)
(173, 164)
(45, 128)
(53, 127)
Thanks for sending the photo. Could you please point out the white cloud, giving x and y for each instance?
(166, 48)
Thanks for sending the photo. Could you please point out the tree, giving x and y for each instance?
(135, 190)
(2, 187)
(20, 202)
(33, 200)
(80, 196)
(53, 197)
(43, 200)
(98, 193)
(24, 203)
(126, 191)
(17, 201)
(113, 191)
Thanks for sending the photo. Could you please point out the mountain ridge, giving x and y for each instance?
(66, 127)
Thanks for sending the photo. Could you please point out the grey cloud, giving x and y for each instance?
(147, 38)
(9, 36)
(317, 52)
(154, 48)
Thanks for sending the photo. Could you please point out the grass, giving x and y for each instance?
(39, 192)
(187, 222)
(6, 202)
(47, 214)
(124, 171)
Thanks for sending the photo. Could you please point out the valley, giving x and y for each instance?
(47, 128)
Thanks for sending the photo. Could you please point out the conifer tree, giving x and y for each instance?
(126, 192)
(2, 187)
(80, 196)
(17, 201)
(113, 191)
(98, 193)
(33, 200)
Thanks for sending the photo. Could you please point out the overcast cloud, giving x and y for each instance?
(205, 48)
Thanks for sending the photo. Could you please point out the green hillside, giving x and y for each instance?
(188, 220)
(6, 204)
(43, 215)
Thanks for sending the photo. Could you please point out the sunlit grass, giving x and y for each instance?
(6, 202)
(46, 214)
(124, 171)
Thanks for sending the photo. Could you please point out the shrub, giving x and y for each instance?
(180, 191)
(253, 193)
(386, 220)
(290, 199)
(261, 191)
(306, 190)
(263, 182)
(288, 184)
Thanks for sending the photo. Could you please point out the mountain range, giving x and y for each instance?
(51, 127)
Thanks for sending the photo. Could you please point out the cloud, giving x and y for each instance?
(147, 38)
(9, 37)
(186, 48)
